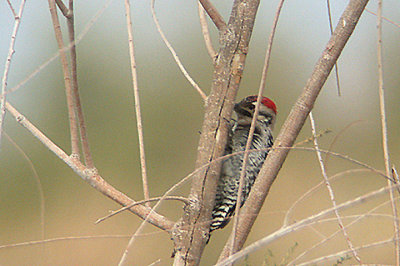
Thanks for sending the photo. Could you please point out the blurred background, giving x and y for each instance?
(172, 117)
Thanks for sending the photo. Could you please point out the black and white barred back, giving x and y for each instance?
(228, 184)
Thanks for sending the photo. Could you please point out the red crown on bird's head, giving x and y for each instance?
(265, 101)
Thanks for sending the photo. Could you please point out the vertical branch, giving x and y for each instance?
(330, 190)
(253, 124)
(296, 120)
(8, 64)
(269, 49)
(385, 131)
(75, 91)
(67, 80)
(206, 33)
(137, 100)
(192, 231)
(382, 93)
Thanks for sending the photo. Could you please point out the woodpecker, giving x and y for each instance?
(228, 183)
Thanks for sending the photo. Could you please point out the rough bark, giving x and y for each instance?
(191, 232)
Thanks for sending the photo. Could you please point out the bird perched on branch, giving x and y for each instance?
(228, 183)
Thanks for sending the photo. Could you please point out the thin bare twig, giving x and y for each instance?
(301, 224)
(139, 123)
(12, 8)
(328, 6)
(124, 257)
(87, 155)
(326, 239)
(343, 156)
(288, 215)
(311, 139)
(91, 176)
(67, 80)
(86, 29)
(385, 145)
(176, 58)
(336, 138)
(137, 103)
(214, 14)
(342, 254)
(164, 196)
(269, 48)
(329, 187)
(7, 66)
(184, 200)
(388, 20)
(206, 33)
(382, 93)
(64, 10)
(59, 239)
(233, 248)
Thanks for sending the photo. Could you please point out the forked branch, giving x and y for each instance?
(191, 232)
(87, 155)
(91, 176)
(8, 63)
(67, 80)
